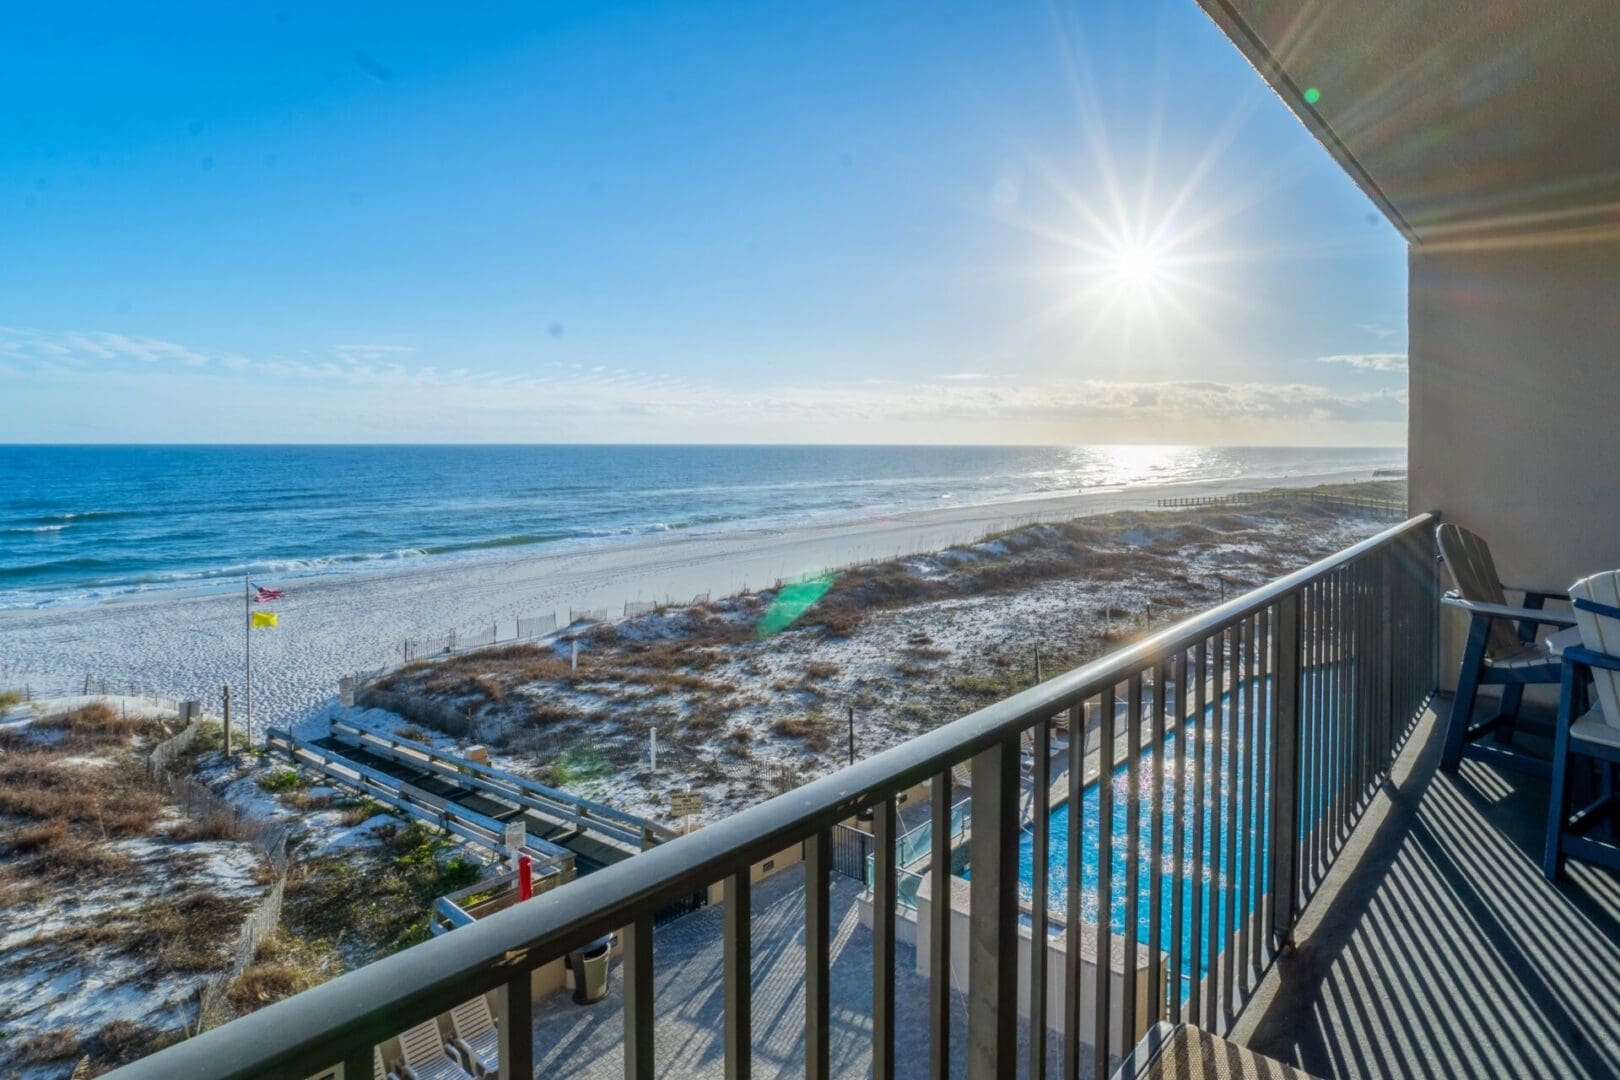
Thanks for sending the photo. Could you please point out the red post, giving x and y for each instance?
(525, 877)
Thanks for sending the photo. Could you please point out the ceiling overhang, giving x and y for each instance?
(1465, 121)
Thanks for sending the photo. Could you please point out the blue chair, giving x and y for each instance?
(1592, 733)
(1504, 649)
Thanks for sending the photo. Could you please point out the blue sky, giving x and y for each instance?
(687, 221)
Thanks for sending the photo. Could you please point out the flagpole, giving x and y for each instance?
(247, 633)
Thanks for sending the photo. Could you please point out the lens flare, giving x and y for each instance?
(790, 604)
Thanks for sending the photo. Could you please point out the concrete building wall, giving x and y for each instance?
(1515, 401)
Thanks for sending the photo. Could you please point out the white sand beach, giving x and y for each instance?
(190, 644)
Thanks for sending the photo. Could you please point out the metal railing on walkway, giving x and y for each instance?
(1222, 808)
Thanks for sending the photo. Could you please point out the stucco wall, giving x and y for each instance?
(1515, 402)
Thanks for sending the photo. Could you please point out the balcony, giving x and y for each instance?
(1324, 899)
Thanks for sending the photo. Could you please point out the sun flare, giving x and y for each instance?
(1135, 266)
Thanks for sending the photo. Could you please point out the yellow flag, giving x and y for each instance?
(264, 618)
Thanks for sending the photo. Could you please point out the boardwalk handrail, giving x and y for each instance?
(1373, 601)
(520, 790)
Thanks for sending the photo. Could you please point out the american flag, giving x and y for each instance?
(262, 595)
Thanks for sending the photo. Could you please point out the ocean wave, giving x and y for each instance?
(55, 566)
(67, 517)
(518, 540)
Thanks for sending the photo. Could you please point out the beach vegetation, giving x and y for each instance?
(44, 1047)
(215, 826)
(359, 811)
(282, 967)
(279, 781)
(916, 712)
(981, 685)
(192, 932)
(925, 652)
(579, 764)
(364, 904)
(10, 699)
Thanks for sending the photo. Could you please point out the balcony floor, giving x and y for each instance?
(1436, 948)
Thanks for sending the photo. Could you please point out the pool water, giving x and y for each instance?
(1251, 830)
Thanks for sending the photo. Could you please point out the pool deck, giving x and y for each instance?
(1436, 947)
(689, 997)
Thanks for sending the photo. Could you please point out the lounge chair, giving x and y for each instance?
(475, 1037)
(378, 1070)
(1592, 733)
(1503, 650)
(428, 1056)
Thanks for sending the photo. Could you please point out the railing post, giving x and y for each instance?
(884, 820)
(515, 1022)
(817, 1041)
(992, 1050)
(638, 1000)
(738, 973)
(1285, 763)
(939, 931)
(357, 1063)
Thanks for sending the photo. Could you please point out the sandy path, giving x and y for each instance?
(188, 644)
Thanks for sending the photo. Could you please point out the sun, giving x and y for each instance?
(1135, 267)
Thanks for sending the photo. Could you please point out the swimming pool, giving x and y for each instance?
(1244, 836)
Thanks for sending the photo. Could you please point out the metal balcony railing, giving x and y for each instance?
(1236, 750)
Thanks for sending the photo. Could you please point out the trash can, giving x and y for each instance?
(589, 967)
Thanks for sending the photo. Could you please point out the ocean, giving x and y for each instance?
(86, 523)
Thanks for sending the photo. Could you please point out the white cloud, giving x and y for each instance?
(1382, 362)
(559, 396)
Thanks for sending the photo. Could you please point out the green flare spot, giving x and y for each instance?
(1312, 95)
(791, 602)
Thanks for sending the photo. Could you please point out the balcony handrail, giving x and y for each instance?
(307, 1033)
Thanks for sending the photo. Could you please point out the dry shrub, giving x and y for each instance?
(78, 936)
(813, 728)
(119, 801)
(360, 812)
(216, 826)
(821, 669)
(303, 800)
(281, 968)
(30, 839)
(702, 721)
(121, 1041)
(793, 727)
(924, 652)
(96, 724)
(840, 620)
(78, 859)
(189, 933)
(56, 1044)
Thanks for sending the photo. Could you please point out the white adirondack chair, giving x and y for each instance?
(1591, 731)
(427, 1057)
(476, 1036)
